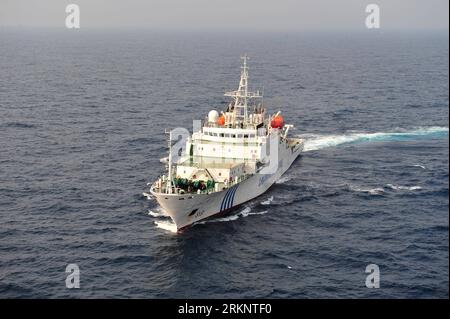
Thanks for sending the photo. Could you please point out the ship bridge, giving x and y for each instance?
(226, 143)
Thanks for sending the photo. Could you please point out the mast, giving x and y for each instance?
(169, 175)
(243, 87)
(242, 95)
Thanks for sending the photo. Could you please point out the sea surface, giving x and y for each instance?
(82, 120)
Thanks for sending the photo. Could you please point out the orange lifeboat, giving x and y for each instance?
(277, 122)
(221, 120)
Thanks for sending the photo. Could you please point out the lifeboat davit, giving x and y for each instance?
(277, 122)
(221, 120)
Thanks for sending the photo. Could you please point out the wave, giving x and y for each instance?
(382, 190)
(222, 219)
(318, 142)
(166, 225)
(408, 188)
(158, 213)
(148, 195)
(140, 140)
(171, 227)
(247, 211)
(418, 165)
(18, 125)
(371, 191)
(164, 160)
(283, 180)
(267, 201)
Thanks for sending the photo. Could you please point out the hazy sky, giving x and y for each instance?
(228, 15)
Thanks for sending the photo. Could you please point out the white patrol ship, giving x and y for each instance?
(235, 156)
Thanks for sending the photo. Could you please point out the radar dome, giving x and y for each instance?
(213, 115)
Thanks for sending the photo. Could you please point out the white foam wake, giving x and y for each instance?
(317, 142)
(371, 191)
(158, 213)
(382, 190)
(283, 180)
(164, 160)
(221, 219)
(407, 188)
(166, 225)
(267, 201)
(148, 195)
(247, 211)
(170, 226)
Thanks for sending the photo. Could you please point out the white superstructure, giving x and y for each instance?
(235, 156)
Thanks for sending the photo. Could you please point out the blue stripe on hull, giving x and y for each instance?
(222, 207)
(231, 199)
(227, 202)
(228, 199)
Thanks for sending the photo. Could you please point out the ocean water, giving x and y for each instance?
(82, 119)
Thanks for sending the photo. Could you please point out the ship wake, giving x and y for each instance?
(247, 211)
(166, 225)
(163, 220)
(317, 142)
(169, 225)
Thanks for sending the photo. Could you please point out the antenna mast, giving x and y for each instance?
(169, 175)
(243, 88)
(241, 96)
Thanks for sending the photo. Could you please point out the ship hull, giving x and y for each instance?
(188, 209)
